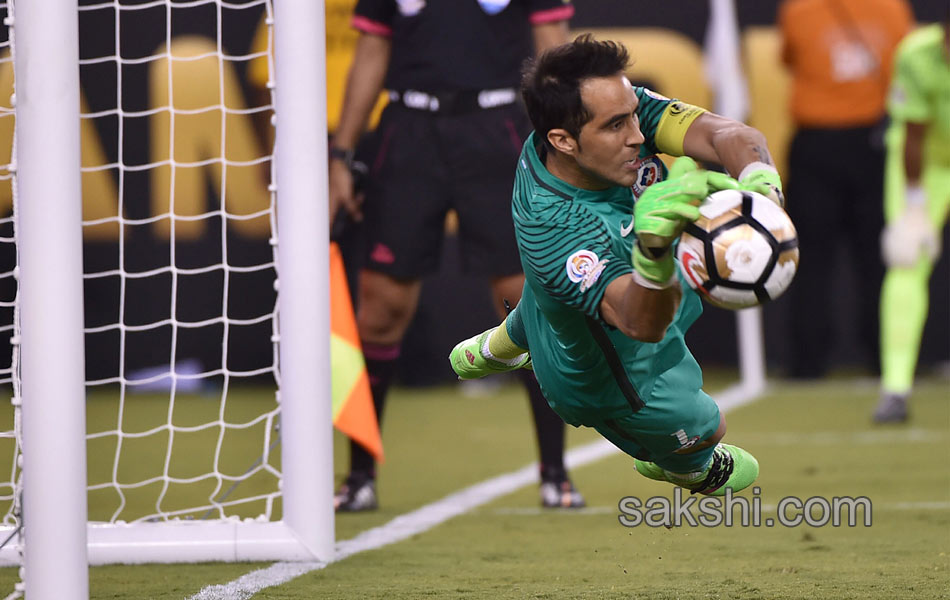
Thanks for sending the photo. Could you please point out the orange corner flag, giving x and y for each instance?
(353, 411)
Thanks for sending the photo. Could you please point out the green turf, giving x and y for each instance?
(810, 440)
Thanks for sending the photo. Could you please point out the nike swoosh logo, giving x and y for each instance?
(625, 231)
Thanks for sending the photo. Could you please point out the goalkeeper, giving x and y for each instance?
(916, 200)
(603, 312)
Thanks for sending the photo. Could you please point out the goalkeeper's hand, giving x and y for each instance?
(910, 236)
(764, 179)
(664, 210)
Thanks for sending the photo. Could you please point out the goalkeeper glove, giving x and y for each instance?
(911, 235)
(664, 210)
(762, 178)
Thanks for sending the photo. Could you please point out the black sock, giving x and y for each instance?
(547, 425)
(380, 366)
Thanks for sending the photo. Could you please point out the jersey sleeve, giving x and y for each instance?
(549, 11)
(674, 123)
(649, 111)
(374, 16)
(664, 121)
(907, 100)
(566, 250)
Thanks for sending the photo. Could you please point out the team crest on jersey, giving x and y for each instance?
(410, 8)
(648, 174)
(493, 7)
(584, 267)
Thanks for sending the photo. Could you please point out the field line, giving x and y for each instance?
(537, 511)
(430, 515)
(874, 437)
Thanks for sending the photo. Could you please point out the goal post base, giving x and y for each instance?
(183, 542)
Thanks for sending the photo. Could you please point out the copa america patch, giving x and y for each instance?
(649, 173)
(584, 267)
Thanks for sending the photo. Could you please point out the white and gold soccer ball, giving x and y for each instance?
(741, 252)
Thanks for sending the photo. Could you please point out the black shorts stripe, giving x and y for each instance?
(616, 366)
(642, 454)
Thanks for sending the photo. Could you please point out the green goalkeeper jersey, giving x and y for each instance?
(920, 90)
(573, 243)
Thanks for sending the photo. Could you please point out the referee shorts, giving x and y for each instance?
(426, 164)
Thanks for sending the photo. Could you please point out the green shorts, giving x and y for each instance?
(647, 399)
(666, 423)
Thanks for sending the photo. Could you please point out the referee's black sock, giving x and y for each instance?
(381, 367)
(547, 425)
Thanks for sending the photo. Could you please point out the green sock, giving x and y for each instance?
(500, 344)
(686, 479)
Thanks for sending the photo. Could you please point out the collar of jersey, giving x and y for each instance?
(557, 185)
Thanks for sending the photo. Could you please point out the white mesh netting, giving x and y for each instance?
(179, 264)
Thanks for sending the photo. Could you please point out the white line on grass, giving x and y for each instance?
(537, 511)
(914, 435)
(430, 515)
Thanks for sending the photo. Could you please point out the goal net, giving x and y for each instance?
(207, 427)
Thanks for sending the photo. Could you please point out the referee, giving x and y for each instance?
(448, 139)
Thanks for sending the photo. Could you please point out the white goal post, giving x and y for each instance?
(725, 75)
(51, 299)
(47, 200)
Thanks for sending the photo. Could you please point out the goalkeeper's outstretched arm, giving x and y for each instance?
(741, 150)
(642, 307)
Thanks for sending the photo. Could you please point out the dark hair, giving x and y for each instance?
(550, 84)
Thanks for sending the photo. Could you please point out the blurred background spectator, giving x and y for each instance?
(917, 197)
(839, 54)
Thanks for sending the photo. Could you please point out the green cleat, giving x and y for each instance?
(732, 468)
(470, 358)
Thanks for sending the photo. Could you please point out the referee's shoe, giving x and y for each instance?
(357, 494)
(557, 491)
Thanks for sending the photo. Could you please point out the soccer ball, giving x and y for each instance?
(742, 251)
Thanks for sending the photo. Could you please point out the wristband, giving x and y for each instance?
(914, 195)
(344, 155)
(659, 271)
(756, 166)
(653, 285)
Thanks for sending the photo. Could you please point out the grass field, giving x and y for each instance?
(811, 440)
